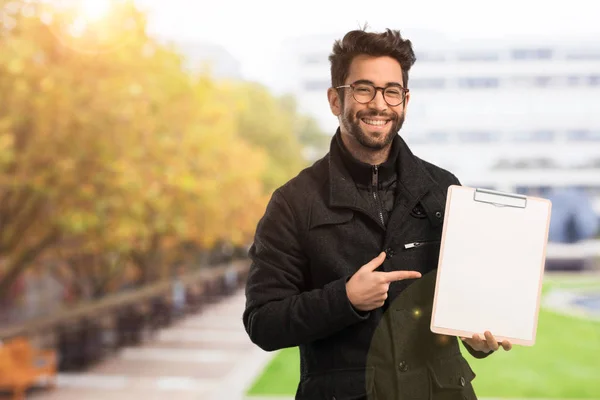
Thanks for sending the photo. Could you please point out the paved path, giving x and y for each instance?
(207, 356)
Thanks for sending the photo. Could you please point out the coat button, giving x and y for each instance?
(403, 366)
(389, 253)
(462, 381)
(438, 214)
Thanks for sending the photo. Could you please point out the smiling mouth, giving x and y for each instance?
(375, 122)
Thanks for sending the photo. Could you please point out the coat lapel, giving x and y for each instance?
(414, 184)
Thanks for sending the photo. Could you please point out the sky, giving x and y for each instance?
(252, 31)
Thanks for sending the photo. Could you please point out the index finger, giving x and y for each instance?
(400, 275)
(375, 263)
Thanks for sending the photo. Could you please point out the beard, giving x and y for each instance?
(370, 141)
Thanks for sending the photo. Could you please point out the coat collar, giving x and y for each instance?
(361, 172)
(413, 180)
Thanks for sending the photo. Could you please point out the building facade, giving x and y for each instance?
(512, 115)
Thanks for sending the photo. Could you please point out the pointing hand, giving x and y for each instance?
(368, 289)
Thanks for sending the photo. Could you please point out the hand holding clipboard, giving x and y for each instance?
(491, 266)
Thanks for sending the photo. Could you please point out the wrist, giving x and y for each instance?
(351, 300)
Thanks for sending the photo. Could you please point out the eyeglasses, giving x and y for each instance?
(365, 93)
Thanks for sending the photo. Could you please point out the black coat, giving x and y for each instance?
(316, 232)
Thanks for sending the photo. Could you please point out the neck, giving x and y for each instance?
(366, 155)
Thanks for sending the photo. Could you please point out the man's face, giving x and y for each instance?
(375, 124)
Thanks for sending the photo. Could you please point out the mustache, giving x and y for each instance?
(373, 113)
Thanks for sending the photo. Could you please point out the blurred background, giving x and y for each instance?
(140, 141)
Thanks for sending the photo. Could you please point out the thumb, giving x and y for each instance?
(374, 263)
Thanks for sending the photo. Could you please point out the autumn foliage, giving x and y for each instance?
(114, 156)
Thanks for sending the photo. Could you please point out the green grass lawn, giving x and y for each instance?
(565, 362)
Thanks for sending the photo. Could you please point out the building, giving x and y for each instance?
(512, 115)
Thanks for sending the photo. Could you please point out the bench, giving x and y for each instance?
(22, 367)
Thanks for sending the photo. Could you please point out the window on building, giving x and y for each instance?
(438, 137)
(535, 136)
(534, 190)
(582, 80)
(574, 80)
(543, 81)
(432, 137)
(594, 80)
(583, 135)
(522, 190)
(427, 83)
(314, 86)
(478, 136)
(477, 83)
(535, 163)
(532, 54)
(595, 163)
(470, 57)
(430, 57)
(502, 163)
(591, 54)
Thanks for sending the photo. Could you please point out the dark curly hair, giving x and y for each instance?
(358, 42)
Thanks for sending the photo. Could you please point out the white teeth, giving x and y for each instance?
(374, 122)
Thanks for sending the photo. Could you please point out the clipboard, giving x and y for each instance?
(491, 265)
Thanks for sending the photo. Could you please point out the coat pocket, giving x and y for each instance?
(451, 378)
(420, 255)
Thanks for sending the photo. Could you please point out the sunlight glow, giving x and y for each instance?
(95, 10)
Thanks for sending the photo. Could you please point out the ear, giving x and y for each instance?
(406, 100)
(334, 101)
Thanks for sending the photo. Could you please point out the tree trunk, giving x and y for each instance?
(24, 260)
(147, 261)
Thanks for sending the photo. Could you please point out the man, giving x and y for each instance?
(344, 259)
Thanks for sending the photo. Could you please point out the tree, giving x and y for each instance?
(264, 122)
(112, 153)
(306, 128)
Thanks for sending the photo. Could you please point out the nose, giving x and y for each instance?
(378, 101)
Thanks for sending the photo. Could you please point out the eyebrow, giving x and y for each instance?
(372, 83)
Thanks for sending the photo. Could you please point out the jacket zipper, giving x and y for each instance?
(375, 184)
(419, 244)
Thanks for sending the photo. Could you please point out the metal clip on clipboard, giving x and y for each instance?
(500, 199)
